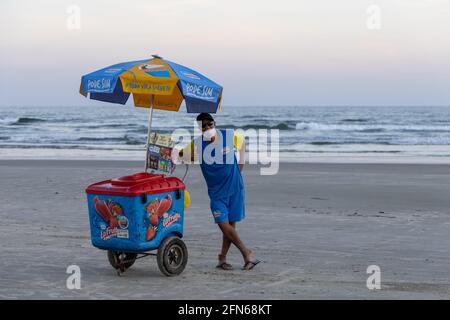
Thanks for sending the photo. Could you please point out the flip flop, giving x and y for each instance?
(224, 266)
(251, 264)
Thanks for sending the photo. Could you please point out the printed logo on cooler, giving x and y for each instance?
(122, 234)
(114, 223)
(171, 219)
(107, 233)
(123, 222)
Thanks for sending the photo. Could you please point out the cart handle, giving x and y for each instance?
(185, 172)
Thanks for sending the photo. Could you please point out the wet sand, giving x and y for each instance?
(317, 227)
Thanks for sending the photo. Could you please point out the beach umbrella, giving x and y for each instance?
(155, 83)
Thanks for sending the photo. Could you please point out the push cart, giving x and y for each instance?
(132, 216)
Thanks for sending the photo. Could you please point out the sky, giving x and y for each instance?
(264, 53)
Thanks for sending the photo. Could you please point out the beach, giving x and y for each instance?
(317, 227)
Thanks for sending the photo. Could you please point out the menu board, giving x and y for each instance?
(159, 153)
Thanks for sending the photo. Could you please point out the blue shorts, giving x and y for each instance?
(230, 209)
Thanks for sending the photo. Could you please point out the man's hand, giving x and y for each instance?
(175, 156)
(180, 153)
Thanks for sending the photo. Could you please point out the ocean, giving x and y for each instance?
(408, 134)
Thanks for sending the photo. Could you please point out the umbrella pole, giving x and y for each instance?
(150, 118)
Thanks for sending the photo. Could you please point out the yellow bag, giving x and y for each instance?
(187, 199)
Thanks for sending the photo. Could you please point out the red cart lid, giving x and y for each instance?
(136, 185)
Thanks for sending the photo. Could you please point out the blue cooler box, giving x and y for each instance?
(135, 213)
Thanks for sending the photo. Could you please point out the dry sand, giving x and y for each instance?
(317, 227)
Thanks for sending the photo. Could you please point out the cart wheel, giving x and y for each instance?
(172, 256)
(121, 260)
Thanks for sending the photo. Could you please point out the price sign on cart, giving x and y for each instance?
(159, 153)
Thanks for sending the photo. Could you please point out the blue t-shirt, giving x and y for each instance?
(219, 165)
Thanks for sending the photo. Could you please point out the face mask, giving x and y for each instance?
(209, 134)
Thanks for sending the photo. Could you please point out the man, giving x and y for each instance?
(223, 178)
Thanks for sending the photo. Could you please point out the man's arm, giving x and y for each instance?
(242, 157)
(239, 145)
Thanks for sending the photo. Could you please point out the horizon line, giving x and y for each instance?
(245, 106)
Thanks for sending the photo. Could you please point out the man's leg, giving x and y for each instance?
(226, 243)
(230, 232)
